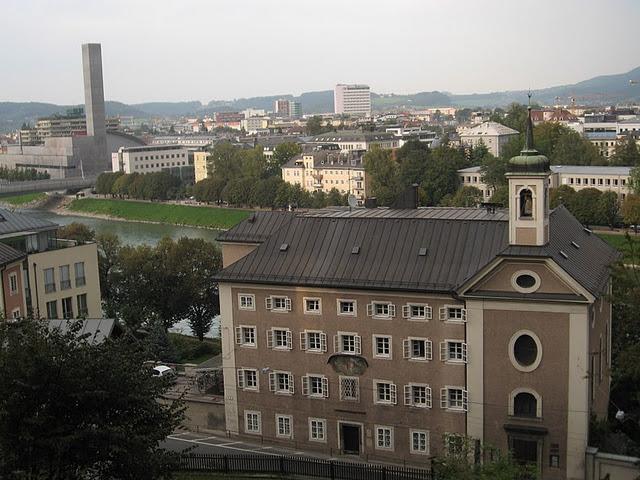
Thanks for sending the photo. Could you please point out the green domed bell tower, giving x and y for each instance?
(528, 176)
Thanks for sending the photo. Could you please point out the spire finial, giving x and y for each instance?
(528, 136)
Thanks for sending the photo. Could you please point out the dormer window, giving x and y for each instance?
(526, 203)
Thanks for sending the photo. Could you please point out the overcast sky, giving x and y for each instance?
(160, 50)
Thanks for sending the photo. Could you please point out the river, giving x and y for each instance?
(136, 233)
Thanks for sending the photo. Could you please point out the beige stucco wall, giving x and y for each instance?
(37, 262)
(232, 252)
(500, 279)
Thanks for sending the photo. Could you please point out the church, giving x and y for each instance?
(401, 334)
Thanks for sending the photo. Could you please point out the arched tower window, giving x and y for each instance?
(526, 203)
(525, 405)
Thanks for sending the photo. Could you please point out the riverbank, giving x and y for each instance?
(152, 212)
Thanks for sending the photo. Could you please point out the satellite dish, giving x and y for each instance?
(353, 201)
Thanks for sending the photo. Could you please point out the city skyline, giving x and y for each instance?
(175, 54)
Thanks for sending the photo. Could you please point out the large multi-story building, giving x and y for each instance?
(352, 100)
(174, 159)
(603, 178)
(201, 165)
(44, 276)
(492, 134)
(355, 140)
(395, 334)
(325, 170)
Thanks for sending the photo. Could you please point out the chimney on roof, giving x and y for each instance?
(407, 199)
(371, 202)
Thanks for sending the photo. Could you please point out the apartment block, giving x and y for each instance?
(173, 159)
(492, 134)
(352, 100)
(394, 334)
(355, 140)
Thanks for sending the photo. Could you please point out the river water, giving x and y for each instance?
(136, 233)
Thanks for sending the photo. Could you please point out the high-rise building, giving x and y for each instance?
(352, 100)
(281, 107)
(295, 109)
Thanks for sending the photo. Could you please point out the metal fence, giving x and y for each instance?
(305, 466)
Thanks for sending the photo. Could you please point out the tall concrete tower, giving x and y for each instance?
(93, 89)
(96, 159)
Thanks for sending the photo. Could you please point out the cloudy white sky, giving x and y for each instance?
(158, 50)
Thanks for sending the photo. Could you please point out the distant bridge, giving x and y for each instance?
(50, 185)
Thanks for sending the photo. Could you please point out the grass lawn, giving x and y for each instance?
(622, 244)
(192, 350)
(213, 217)
(23, 199)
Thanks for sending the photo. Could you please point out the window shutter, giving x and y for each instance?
(336, 344)
(443, 313)
(428, 311)
(303, 341)
(287, 304)
(464, 352)
(370, 309)
(406, 344)
(407, 395)
(240, 378)
(443, 398)
(270, 338)
(289, 340)
(358, 344)
(429, 397)
(394, 393)
(268, 303)
(464, 314)
(323, 342)
(392, 310)
(239, 335)
(406, 311)
(465, 400)
(443, 351)
(305, 385)
(325, 387)
(291, 386)
(272, 382)
(428, 349)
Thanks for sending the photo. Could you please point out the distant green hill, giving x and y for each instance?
(602, 90)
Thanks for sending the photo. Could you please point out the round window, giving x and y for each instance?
(525, 350)
(525, 281)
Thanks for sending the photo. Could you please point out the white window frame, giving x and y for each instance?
(444, 314)
(512, 398)
(242, 379)
(371, 309)
(448, 437)
(320, 421)
(408, 314)
(347, 314)
(312, 312)
(444, 399)
(304, 341)
(274, 384)
(306, 385)
(427, 442)
(342, 378)
(338, 343)
(409, 398)
(290, 419)
(407, 349)
(242, 296)
(269, 304)
(246, 422)
(240, 336)
(374, 347)
(393, 393)
(271, 339)
(445, 353)
(388, 428)
(13, 278)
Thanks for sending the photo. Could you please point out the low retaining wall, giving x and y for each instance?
(607, 466)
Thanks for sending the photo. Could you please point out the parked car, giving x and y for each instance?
(162, 371)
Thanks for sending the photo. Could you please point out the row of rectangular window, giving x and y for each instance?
(67, 307)
(384, 392)
(376, 309)
(159, 157)
(314, 341)
(65, 277)
(419, 440)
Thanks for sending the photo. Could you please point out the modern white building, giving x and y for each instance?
(352, 140)
(494, 136)
(149, 159)
(352, 100)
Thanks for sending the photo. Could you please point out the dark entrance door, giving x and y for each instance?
(525, 451)
(351, 439)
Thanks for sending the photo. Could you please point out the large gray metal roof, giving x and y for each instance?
(380, 249)
(257, 228)
(96, 329)
(11, 222)
(9, 254)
